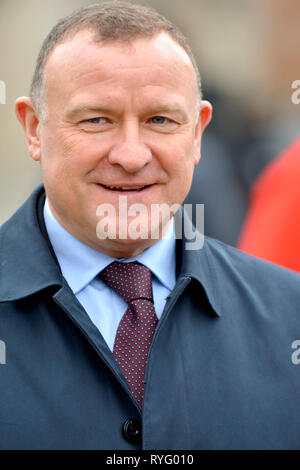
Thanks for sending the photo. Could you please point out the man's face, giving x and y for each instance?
(121, 116)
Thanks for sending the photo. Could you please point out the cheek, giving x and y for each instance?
(83, 151)
(181, 162)
(181, 170)
(72, 145)
(68, 151)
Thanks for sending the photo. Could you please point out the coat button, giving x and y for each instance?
(132, 431)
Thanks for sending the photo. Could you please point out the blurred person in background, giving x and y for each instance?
(272, 226)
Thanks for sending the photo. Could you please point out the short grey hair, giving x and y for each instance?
(112, 21)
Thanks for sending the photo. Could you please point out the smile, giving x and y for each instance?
(125, 188)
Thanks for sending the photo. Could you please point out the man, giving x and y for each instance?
(271, 229)
(97, 357)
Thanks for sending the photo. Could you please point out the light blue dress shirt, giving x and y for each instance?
(80, 264)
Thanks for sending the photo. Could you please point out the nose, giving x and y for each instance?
(130, 152)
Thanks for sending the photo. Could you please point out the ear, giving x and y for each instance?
(204, 119)
(30, 121)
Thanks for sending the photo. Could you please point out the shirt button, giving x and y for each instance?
(132, 431)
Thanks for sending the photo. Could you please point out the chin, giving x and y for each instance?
(124, 248)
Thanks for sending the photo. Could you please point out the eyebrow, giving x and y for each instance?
(167, 108)
(152, 109)
(86, 108)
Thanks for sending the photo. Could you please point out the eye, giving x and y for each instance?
(159, 120)
(96, 124)
(97, 120)
(162, 124)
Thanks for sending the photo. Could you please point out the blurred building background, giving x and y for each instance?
(248, 54)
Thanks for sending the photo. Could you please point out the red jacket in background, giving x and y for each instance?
(272, 225)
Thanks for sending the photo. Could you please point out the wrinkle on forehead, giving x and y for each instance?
(70, 47)
(81, 62)
(73, 55)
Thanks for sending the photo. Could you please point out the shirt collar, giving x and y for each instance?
(80, 263)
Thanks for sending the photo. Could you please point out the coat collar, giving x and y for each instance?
(27, 265)
(198, 265)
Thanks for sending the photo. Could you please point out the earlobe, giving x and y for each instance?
(197, 158)
(29, 120)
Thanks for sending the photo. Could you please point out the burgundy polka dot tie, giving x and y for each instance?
(133, 282)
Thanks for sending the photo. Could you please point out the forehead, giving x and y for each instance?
(145, 65)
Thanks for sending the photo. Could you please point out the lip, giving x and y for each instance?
(144, 188)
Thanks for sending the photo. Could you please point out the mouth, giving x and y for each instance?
(126, 188)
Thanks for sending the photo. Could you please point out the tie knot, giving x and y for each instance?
(129, 280)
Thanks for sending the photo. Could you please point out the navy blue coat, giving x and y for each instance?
(220, 373)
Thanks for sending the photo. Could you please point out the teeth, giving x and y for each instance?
(125, 188)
